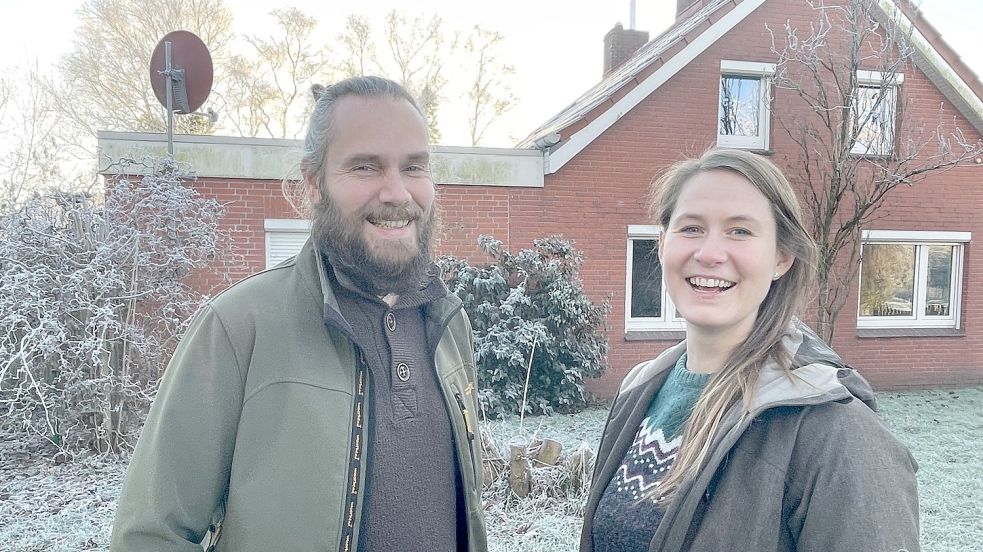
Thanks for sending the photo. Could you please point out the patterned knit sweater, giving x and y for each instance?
(625, 519)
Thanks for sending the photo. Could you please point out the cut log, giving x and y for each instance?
(580, 466)
(520, 477)
(547, 452)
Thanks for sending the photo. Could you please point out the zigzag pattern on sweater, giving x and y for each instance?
(647, 461)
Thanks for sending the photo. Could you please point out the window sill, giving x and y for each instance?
(655, 335)
(889, 156)
(756, 149)
(910, 332)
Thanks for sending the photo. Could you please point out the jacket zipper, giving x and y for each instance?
(357, 451)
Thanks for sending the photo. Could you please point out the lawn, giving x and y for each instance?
(69, 507)
(944, 430)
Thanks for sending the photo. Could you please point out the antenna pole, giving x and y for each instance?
(170, 98)
(631, 23)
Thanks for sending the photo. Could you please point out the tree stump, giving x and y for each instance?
(580, 466)
(520, 477)
(546, 452)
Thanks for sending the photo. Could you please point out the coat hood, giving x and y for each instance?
(816, 370)
(818, 374)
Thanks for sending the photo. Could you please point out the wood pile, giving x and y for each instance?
(540, 464)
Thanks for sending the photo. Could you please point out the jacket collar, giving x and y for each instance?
(817, 372)
(310, 263)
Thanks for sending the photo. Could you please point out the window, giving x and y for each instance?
(743, 119)
(647, 305)
(910, 279)
(284, 238)
(874, 112)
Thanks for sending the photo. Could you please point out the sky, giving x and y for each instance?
(555, 45)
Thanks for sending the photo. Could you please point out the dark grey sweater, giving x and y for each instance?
(412, 495)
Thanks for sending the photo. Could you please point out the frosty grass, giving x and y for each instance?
(70, 506)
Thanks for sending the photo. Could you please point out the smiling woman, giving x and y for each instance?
(751, 434)
(720, 257)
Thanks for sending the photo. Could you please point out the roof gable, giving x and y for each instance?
(654, 64)
(940, 64)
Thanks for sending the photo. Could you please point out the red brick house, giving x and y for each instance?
(585, 174)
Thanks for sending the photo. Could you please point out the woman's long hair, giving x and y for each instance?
(737, 379)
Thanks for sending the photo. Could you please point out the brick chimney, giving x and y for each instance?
(620, 44)
(682, 5)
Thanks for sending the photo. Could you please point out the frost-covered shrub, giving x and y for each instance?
(516, 300)
(93, 296)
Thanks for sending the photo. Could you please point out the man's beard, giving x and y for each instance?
(396, 267)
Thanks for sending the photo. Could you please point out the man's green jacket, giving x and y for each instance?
(256, 412)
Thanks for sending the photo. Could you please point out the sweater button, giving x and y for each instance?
(391, 321)
(402, 371)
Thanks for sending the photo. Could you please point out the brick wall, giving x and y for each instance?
(596, 195)
(469, 211)
(248, 203)
(679, 120)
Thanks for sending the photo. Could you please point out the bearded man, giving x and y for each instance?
(327, 403)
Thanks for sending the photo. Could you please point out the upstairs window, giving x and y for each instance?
(911, 279)
(743, 115)
(874, 113)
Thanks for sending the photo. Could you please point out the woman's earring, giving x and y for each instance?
(776, 276)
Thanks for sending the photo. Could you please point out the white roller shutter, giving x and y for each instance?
(284, 238)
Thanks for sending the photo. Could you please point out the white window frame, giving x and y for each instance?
(921, 240)
(764, 72)
(875, 80)
(669, 319)
(275, 228)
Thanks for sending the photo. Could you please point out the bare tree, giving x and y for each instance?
(415, 50)
(854, 141)
(246, 103)
(6, 93)
(32, 154)
(359, 47)
(104, 81)
(93, 296)
(102, 84)
(418, 49)
(490, 95)
(285, 64)
(415, 53)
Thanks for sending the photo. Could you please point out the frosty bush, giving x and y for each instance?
(534, 296)
(92, 297)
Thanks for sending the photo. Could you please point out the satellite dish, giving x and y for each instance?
(190, 68)
(181, 76)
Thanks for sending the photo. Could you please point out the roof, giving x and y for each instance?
(625, 74)
(656, 62)
(940, 63)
